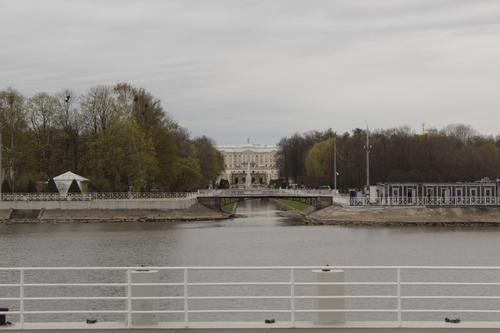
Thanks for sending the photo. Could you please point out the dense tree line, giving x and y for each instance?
(117, 136)
(454, 153)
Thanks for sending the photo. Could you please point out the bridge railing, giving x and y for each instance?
(264, 192)
(426, 201)
(371, 296)
(97, 196)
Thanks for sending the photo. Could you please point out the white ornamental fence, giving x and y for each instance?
(260, 192)
(250, 297)
(97, 196)
(425, 201)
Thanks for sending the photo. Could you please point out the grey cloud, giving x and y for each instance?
(264, 69)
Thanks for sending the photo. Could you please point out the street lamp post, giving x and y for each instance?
(335, 163)
(368, 147)
(66, 100)
(1, 170)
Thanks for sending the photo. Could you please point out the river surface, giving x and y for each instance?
(260, 238)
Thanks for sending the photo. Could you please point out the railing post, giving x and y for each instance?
(292, 297)
(399, 296)
(21, 298)
(186, 309)
(129, 299)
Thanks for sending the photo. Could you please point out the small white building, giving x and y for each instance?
(63, 182)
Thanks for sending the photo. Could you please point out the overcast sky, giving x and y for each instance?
(265, 69)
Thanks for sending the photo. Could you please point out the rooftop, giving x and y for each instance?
(261, 148)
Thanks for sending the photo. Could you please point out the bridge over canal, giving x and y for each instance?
(219, 198)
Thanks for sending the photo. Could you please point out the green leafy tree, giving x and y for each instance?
(122, 157)
(120, 136)
(319, 159)
(189, 175)
(209, 160)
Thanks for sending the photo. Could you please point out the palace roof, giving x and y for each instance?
(258, 148)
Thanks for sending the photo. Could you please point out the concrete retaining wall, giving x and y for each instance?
(163, 204)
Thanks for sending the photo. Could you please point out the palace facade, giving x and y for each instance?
(249, 164)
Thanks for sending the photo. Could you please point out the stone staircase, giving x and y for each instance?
(25, 215)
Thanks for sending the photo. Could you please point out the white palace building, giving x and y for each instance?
(249, 164)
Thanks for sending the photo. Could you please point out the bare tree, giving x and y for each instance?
(12, 118)
(460, 131)
(69, 120)
(42, 112)
(98, 108)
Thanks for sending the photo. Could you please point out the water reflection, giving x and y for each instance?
(260, 238)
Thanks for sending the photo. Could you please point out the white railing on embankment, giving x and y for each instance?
(218, 297)
(91, 196)
(97, 196)
(425, 201)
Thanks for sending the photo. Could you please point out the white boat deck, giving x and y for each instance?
(247, 327)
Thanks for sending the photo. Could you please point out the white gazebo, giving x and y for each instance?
(63, 182)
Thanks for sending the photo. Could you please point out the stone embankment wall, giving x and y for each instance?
(196, 212)
(406, 216)
(162, 204)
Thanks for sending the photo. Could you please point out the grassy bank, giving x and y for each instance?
(298, 205)
(229, 208)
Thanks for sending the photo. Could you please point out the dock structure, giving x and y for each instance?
(251, 298)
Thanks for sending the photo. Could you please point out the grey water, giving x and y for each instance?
(261, 237)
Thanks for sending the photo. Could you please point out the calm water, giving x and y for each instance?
(261, 238)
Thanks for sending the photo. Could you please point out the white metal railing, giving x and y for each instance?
(398, 285)
(265, 192)
(97, 196)
(161, 195)
(342, 200)
(425, 201)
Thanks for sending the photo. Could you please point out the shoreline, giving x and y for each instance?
(197, 212)
(396, 216)
(332, 215)
(406, 216)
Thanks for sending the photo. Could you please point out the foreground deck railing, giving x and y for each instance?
(372, 296)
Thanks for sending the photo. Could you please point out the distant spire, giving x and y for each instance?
(248, 140)
(423, 129)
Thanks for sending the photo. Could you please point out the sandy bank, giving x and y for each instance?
(406, 216)
(197, 212)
